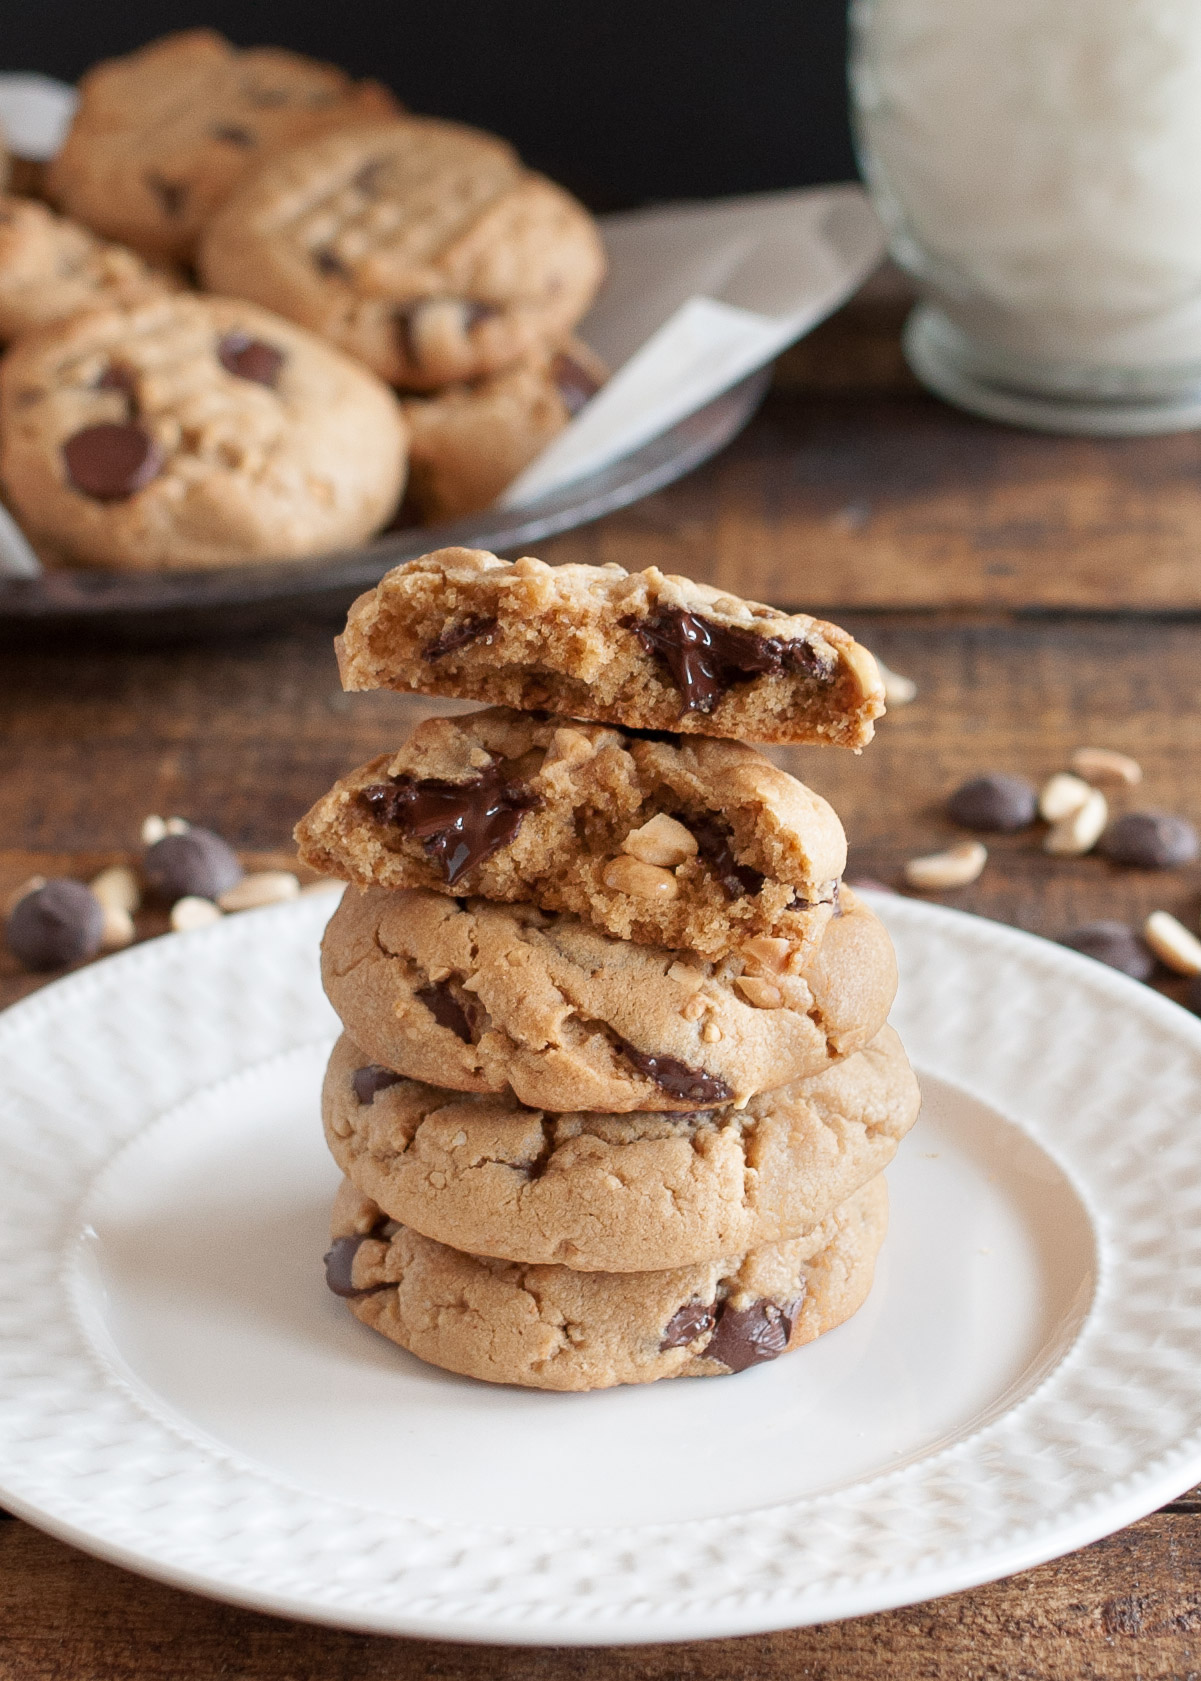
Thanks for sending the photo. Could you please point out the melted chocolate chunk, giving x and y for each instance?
(112, 461)
(328, 262)
(476, 628)
(249, 358)
(706, 659)
(232, 134)
(446, 1010)
(693, 1085)
(459, 823)
(371, 1079)
(686, 1324)
(713, 843)
(576, 385)
(172, 195)
(748, 1336)
(339, 1265)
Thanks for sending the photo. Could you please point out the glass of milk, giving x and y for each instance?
(1037, 164)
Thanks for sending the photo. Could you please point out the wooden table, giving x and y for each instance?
(1044, 593)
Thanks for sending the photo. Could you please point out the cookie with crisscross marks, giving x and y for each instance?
(423, 247)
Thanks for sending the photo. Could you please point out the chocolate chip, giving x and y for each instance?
(57, 923)
(339, 1264)
(748, 1336)
(1115, 943)
(112, 461)
(249, 358)
(459, 823)
(1150, 840)
(576, 385)
(693, 1085)
(232, 134)
(686, 1324)
(328, 262)
(996, 802)
(476, 628)
(446, 1009)
(195, 862)
(706, 659)
(713, 844)
(372, 1078)
(172, 195)
(117, 377)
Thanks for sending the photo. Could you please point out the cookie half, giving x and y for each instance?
(616, 1193)
(468, 441)
(162, 136)
(482, 997)
(547, 1327)
(422, 247)
(641, 649)
(194, 432)
(52, 268)
(688, 842)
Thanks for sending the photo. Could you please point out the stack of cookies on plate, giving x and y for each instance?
(616, 1087)
(386, 310)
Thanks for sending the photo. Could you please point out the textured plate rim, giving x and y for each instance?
(1109, 1434)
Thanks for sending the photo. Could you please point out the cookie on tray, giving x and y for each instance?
(481, 997)
(194, 432)
(549, 1327)
(469, 441)
(643, 649)
(162, 136)
(422, 247)
(616, 1193)
(688, 841)
(52, 268)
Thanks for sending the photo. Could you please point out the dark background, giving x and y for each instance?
(624, 101)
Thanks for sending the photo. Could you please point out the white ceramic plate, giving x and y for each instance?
(179, 1393)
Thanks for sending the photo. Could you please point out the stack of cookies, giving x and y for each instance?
(616, 1087)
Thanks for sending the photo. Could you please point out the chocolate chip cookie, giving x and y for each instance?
(642, 649)
(549, 1327)
(422, 247)
(685, 841)
(480, 997)
(194, 432)
(162, 136)
(616, 1193)
(51, 268)
(468, 441)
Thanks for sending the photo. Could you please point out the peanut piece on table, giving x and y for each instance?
(1172, 943)
(898, 690)
(1103, 764)
(193, 912)
(263, 887)
(958, 866)
(1061, 795)
(118, 929)
(118, 887)
(1080, 831)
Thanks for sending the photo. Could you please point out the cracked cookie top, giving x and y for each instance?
(423, 247)
(642, 649)
(616, 1193)
(162, 136)
(487, 998)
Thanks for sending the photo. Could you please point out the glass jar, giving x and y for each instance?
(1037, 164)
